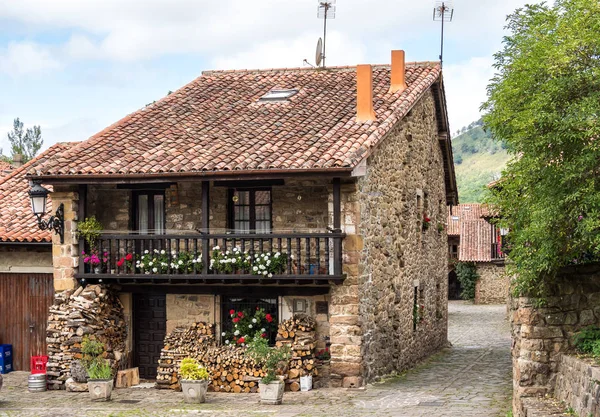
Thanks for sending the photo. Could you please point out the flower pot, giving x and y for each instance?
(194, 391)
(271, 393)
(100, 389)
(306, 383)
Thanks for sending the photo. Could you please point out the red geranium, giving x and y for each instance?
(120, 262)
(232, 312)
(235, 320)
(264, 335)
(269, 318)
(241, 340)
(240, 314)
(129, 257)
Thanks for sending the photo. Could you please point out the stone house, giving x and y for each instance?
(472, 238)
(26, 270)
(335, 169)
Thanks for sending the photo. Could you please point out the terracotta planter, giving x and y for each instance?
(271, 393)
(100, 389)
(194, 391)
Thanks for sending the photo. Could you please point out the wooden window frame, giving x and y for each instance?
(149, 193)
(252, 205)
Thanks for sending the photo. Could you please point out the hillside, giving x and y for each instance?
(478, 160)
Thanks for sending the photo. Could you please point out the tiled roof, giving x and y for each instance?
(475, 241)
(216, 124)
(17, 222)
(5, 168)
(464, 212)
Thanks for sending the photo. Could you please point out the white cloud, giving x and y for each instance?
(465, 84)
(22, 58)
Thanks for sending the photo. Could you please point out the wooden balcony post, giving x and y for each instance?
(205, 226)
(337, 227)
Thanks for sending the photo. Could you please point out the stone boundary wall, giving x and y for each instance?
(493, 284)
(578, 385)
(541, 335)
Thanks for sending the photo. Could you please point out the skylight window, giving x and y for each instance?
(455, 218)
(278, 95)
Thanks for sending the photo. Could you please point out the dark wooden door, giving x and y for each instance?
(454, 287)
(24, 303)
(150, 326)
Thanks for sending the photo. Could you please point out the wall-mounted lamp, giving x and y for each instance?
(39, 196)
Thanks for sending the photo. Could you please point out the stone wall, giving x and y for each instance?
(578, 384)
(542, 335)
(300, 205)
(493, 284)
(184, 310)
(404, 180)
(30, 258)
(65, 256)
(110, 205)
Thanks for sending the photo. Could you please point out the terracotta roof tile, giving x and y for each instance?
(464, 212)
(17, 223)
(216, 123)
(475, 241)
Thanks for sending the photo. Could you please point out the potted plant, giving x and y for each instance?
(271, 387)
(89, 229)
(194, 381)
(99, 371)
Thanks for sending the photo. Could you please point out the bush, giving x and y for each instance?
(588, 340)
(99, 369)
(191, 370)
(268, 358)
(466, 273)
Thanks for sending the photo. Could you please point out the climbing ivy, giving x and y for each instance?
(466, 273)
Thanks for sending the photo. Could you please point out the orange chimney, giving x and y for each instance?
(364, 94)
(398, 79)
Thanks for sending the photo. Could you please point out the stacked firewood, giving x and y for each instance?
(299, 334)
(92, 311)
(230, 369)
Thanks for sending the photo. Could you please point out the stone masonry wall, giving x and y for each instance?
(33, 259)
(65, 256)
(542, 335)
(578, 384)
(110, 205)
(493, 284)
(404, 181)
(184, 310)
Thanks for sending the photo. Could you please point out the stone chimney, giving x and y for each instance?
(364, 94)
(17, 160)
(398, 74)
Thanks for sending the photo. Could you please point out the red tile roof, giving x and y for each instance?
(17, 223)
(464, 212)
(475, 241)
(216, 124)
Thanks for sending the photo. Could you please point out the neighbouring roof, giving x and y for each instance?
(17, 222)
(5, 168)
(217, 124)
(461, 213)
(475, 241)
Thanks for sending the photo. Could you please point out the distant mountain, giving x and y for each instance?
(478, 160)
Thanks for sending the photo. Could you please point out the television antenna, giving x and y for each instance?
(443, 11)
(325, 10)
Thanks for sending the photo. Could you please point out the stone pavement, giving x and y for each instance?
(472, 378)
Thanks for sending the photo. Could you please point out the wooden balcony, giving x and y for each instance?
(308, 259)
(497, 254)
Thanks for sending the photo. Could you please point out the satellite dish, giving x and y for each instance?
(319, 53)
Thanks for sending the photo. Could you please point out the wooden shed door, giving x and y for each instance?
(150, 326)
(24, 303)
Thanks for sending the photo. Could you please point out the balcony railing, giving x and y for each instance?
(497, 253)
(294, 258)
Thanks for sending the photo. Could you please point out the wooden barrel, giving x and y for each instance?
(37, 382)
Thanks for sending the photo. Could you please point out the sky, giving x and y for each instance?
(75, 67)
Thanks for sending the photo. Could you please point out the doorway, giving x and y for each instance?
(150, 326)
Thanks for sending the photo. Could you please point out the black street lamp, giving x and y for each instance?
(39, 195)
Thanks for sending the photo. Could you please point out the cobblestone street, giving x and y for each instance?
(472, 378)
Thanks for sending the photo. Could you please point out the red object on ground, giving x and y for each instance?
(38, 364)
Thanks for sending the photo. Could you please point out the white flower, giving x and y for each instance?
(263, 330)
(268, 253)
(150, 263)
(253, 320)
(256, 255)
(270, 275)
(216, 248)
(291, 256)
(155, 250)
(227, 342)
(180, 262)
(268, 262)
(155, 270)
(265, 273)
(226, 252)
(236, 332)
(243, 344)
(262, 267)
(162, 252)
(249, 326)
(255, 268)
(146, 251)
(223, 334)
(173, 252)
(277, 255)
(147, 272)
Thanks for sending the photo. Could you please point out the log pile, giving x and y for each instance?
(93, 311)
(299, 333)
(230, 369)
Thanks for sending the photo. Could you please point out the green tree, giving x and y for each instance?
(26, 143)
(544, 103)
